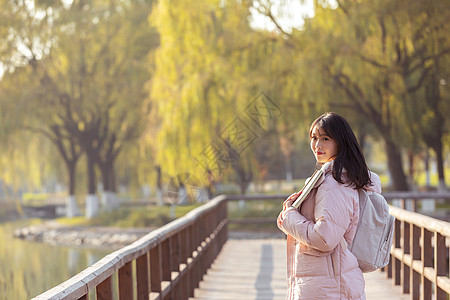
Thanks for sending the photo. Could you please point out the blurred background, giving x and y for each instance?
(113, 103)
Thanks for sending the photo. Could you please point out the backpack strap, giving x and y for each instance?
(361, 193)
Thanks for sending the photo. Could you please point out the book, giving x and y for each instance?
(309, 185)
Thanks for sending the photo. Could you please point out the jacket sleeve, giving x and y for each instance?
(333, 213)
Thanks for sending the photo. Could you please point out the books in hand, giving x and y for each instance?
(309, 185)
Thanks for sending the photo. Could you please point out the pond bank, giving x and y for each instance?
(54, 233)
(111, 238)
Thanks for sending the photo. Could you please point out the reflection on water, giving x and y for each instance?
(28, 269)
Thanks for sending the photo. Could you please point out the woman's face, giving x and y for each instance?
(324, 147)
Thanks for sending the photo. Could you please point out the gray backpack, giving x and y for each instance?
(373, 238)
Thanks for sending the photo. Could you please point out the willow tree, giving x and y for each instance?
(403, 42)
(367, 89)
(104, 81)
(23, 154)
(424, 73)
(372, 58)
(90, 82)
(26, 40)
(206, 75)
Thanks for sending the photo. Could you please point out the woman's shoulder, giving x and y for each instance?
(330, 183)
(336, 194)
(375, 185)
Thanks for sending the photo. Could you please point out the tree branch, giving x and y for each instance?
(372, 62)
(268, 13)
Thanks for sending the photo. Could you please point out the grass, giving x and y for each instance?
(129, 216)
(258, 209)
(157, 216)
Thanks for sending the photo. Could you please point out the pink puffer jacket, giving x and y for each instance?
(318, 267)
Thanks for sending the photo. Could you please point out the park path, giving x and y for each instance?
(256, 269)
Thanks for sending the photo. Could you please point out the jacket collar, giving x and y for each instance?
(325, 169)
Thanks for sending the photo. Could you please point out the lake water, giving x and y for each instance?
(27, 269)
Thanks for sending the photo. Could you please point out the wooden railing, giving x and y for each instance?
(168, 263)
(419, 255)
(409, 200)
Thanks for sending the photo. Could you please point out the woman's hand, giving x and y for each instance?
(290, 200)
(287, 206)
(280, 220)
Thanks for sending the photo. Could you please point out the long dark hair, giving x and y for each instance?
(350, 156)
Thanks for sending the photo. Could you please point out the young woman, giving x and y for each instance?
(319, 264)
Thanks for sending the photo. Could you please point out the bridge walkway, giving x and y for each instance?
(256, 269)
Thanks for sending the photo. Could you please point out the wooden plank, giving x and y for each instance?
(104, 289)
(378, 288)
(388, 270)
(126, 282)
(416, 195)
(256, 269)
(444, 283)
(184, 247)
(427, 255)
(182, 291)
(422, 221)
(191, 281)
(165, 258)
(244, 271)
(417, 266)
(396, 264)
(142, 277)
(415, 257)
(155, 270)
(175, 252)
(440, 264)
(406, 251)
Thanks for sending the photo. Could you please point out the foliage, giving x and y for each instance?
(201, 83)
(125, 86)
(374, 63)
(132, 216)
(86, 98)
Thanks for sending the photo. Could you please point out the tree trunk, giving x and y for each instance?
(108, 178)
(92, 187)
(362, 134)
(71, 167)
(288, 165)
(92, 206)
(71, 202)
(411, 169)
(71, 163)
(427, 168)
(109, 198)
(437, 148)
(395, 166)
(243, 177)
(112, 180)
(243, 186)
(244, 180)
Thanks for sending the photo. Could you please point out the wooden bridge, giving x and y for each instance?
(192, 258)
